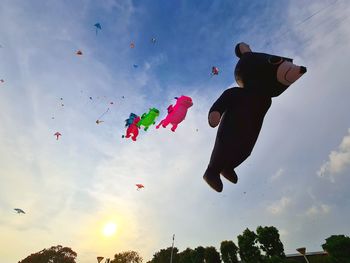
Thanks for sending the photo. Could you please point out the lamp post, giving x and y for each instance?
(302, 250)
(172, 248)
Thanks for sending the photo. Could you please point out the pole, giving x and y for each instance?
(172, 248)
(306, 259)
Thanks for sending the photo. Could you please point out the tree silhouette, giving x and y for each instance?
(248, 249)
(270, 242)
(163, 256)
(338, 248)
(127, 257)
(228, 251)
(211, 255)
(55, 254)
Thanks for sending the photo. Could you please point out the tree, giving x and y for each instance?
(338, 248)
(248, 250)
(270, 242)
(163, 256)
(198, 255)
(55, 254)
(211, 255)
(127, 257)
(229, 251)
(186, 256)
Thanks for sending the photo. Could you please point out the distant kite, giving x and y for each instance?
(135, 66)
(99, 259)
(79, 53)
(98, 27)
(57, 134)
(2, 81)
(100, 117)
(132, 45)
(214, 71)
(153, 40)
(19, 211)
(139, 186)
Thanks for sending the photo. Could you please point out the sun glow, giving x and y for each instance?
(109, 229)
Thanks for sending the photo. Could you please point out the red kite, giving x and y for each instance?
(57, 134)
(139, 186)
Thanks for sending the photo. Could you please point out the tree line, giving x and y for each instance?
(262, 246)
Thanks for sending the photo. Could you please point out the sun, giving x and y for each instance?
(109, 229)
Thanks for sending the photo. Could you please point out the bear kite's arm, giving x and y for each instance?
(221, 104)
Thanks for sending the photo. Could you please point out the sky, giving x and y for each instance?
(296, 179)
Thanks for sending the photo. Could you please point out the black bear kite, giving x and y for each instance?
(241, 110)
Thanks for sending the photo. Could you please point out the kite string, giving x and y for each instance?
(269, 42)
(103, 114)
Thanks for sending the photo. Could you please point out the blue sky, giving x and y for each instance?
(296, 178)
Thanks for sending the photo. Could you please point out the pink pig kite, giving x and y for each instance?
(177, 113)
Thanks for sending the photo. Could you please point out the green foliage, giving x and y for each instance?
(211, 255)
(248, 250)
(229, 251)
(127, 257)
(270, 243)
(55, 254)
(186, 256)
(163, 256)
(198, 255)
(338, 248)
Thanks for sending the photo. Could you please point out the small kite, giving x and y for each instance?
(99, 118)
(153, 40)
(139, 186)
(177, 113)
(2, 81)
(131, 124)
(98, 27)
(19, 211)
(79, 53)
(132, 45)
(99, 259)
(214, 71)
(148, 119)
(135, 66)
(57, 134)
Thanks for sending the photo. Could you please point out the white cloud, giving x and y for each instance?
(339, 160)
(279, 206)
(277, 175)
(317, 210)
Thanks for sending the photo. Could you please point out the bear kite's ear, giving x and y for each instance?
(242, 48)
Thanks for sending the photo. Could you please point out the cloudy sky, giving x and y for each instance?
(297, 178)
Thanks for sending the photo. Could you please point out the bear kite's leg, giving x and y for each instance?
(216, 164)
(229, 173)
(174, 127)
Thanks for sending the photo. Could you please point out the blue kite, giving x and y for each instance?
(98, 26)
